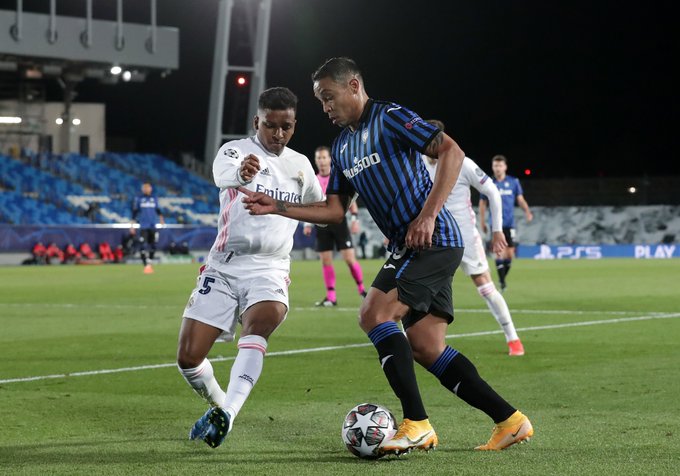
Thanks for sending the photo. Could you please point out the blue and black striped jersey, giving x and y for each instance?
(381, 161)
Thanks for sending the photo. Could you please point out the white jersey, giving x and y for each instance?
(261, 240)
(458, 202)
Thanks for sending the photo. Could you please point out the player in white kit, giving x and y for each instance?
(245, 279)
(474, 261)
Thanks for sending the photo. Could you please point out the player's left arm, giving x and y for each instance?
(450, 160)
(525, 207)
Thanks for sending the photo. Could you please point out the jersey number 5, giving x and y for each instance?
(206, 285)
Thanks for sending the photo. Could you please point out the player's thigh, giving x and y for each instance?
(263, 318)
(474, 260)
(381, 306)
(263, 300)
(215, 302)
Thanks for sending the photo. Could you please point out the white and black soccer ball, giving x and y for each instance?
(365, 427)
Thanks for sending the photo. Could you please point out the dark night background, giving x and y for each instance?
(568, 89)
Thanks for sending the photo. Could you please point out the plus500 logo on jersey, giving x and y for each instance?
(361, 164)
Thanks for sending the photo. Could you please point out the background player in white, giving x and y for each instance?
(474, 261)
(336, 235)
(246, 276)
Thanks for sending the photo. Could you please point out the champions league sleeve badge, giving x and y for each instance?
(232, 153)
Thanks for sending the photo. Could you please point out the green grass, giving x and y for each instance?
(603, 397)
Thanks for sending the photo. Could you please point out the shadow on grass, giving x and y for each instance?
(167, 450)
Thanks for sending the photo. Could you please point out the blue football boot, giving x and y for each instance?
(212, 427)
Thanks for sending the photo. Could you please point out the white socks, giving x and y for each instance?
(499, 309)
(244, 373)
(202, 380)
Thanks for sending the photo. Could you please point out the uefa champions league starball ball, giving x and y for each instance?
(365, 427)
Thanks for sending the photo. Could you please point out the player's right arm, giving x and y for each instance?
(332, 210)
(231, 169)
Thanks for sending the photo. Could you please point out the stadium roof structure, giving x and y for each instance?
(73, 48)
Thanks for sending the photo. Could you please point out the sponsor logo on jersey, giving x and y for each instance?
(266, 172)
(364, 136)
(278, 194)
(280, 291)
(362, 164)
(344, 146)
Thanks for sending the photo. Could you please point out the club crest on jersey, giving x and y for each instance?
(300, 178)
(361, 164)
(364, 136)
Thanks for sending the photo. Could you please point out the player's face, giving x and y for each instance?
(340, 101)
(146, 189)
(499, 168)
(275, 128)
(323, 162)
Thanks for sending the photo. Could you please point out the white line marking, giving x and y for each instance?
(179, 307)
(347, 346)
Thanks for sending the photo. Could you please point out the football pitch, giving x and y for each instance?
(88, 383)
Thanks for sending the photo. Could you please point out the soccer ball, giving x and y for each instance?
(365, 427)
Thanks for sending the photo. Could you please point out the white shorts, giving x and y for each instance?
(474, 257)
(220, 299)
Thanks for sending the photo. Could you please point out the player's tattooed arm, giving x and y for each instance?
(432, 149)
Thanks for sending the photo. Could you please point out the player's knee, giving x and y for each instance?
(369, 317)
(188, 360)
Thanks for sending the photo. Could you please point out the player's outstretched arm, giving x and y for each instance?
(332, 210)
(450, 157)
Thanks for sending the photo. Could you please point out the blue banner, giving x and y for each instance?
(660, 251)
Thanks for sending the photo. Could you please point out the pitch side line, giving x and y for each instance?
(347, 346)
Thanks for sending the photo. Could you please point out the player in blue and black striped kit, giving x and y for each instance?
(146, 212)
(511, 192)
(378, 156)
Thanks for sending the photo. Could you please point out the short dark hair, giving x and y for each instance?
(437, 123)
(277, 99)
(499, 158)
(323, 147)
(338, 69)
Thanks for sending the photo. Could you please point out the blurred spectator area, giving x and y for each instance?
(72, 189)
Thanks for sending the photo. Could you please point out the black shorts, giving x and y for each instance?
(510, 235)
(148, 236)
(423, 280)
(336, 236)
